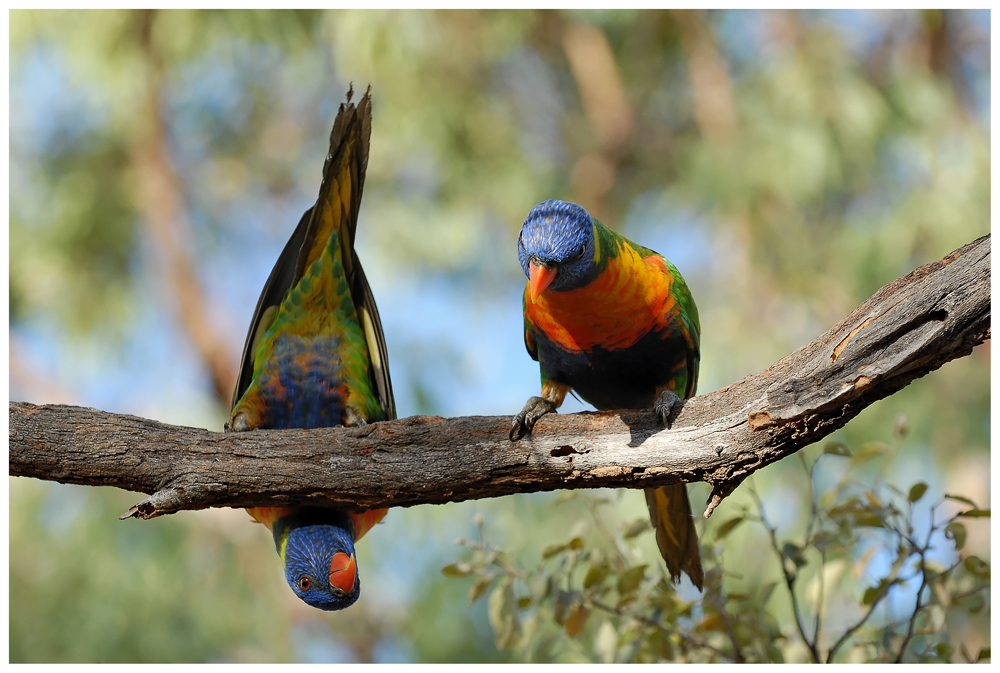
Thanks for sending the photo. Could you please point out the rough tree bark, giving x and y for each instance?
(905, 330)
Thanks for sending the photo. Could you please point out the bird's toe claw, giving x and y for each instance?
(518, 427)
(524, 422)
(238, 423)
(665, 405)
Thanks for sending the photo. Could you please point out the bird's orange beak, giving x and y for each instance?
(539, 278)
(343, 572)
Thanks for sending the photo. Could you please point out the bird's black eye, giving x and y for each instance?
(304, 583)
(583, 249)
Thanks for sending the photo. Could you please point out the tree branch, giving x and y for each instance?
(905, 330)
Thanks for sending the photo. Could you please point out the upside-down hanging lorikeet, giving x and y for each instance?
(615, 322)
(315, 357)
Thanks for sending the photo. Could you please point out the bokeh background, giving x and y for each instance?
(788, 163)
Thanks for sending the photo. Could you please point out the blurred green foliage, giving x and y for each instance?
(592, 598)
(789, 163)
(186, 603)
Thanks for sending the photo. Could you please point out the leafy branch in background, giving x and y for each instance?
(590, 598)
(858, 521)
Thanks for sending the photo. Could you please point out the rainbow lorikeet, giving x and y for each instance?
(615, 322)
(315, 357)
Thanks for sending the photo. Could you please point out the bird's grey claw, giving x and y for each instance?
(665, 405)
(238, 424)
(517, 429)
(524, 422)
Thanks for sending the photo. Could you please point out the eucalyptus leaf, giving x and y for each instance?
(478, 588)
(960, 498)
(457, 570)
(595, 575)
(917, 491)
(726, 528)
(553, 549)
(836, 449)
(503, 616)
(636, 528)
(956, 532)
(977, 566)
(630, 579)
(576, 620)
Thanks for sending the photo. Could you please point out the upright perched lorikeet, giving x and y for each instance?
(315, 357)
(615, 322)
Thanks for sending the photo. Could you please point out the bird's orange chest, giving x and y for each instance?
(623, 303)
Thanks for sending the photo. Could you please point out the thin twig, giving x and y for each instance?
(922, 551)
(916, 610)
(727, 626)
(789, 578)
(892, 581)
(813, 519)
(819, 603)
(850, 631)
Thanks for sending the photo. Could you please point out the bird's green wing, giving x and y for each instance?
(277, 285)
(336, 207)
(691, 327)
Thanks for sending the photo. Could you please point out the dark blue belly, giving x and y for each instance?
(302, 384)
(620, 378)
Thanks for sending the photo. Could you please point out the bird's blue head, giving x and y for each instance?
(556, 247)
(317, 549)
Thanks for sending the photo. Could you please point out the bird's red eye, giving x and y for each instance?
(304, 583)
(583, 249)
